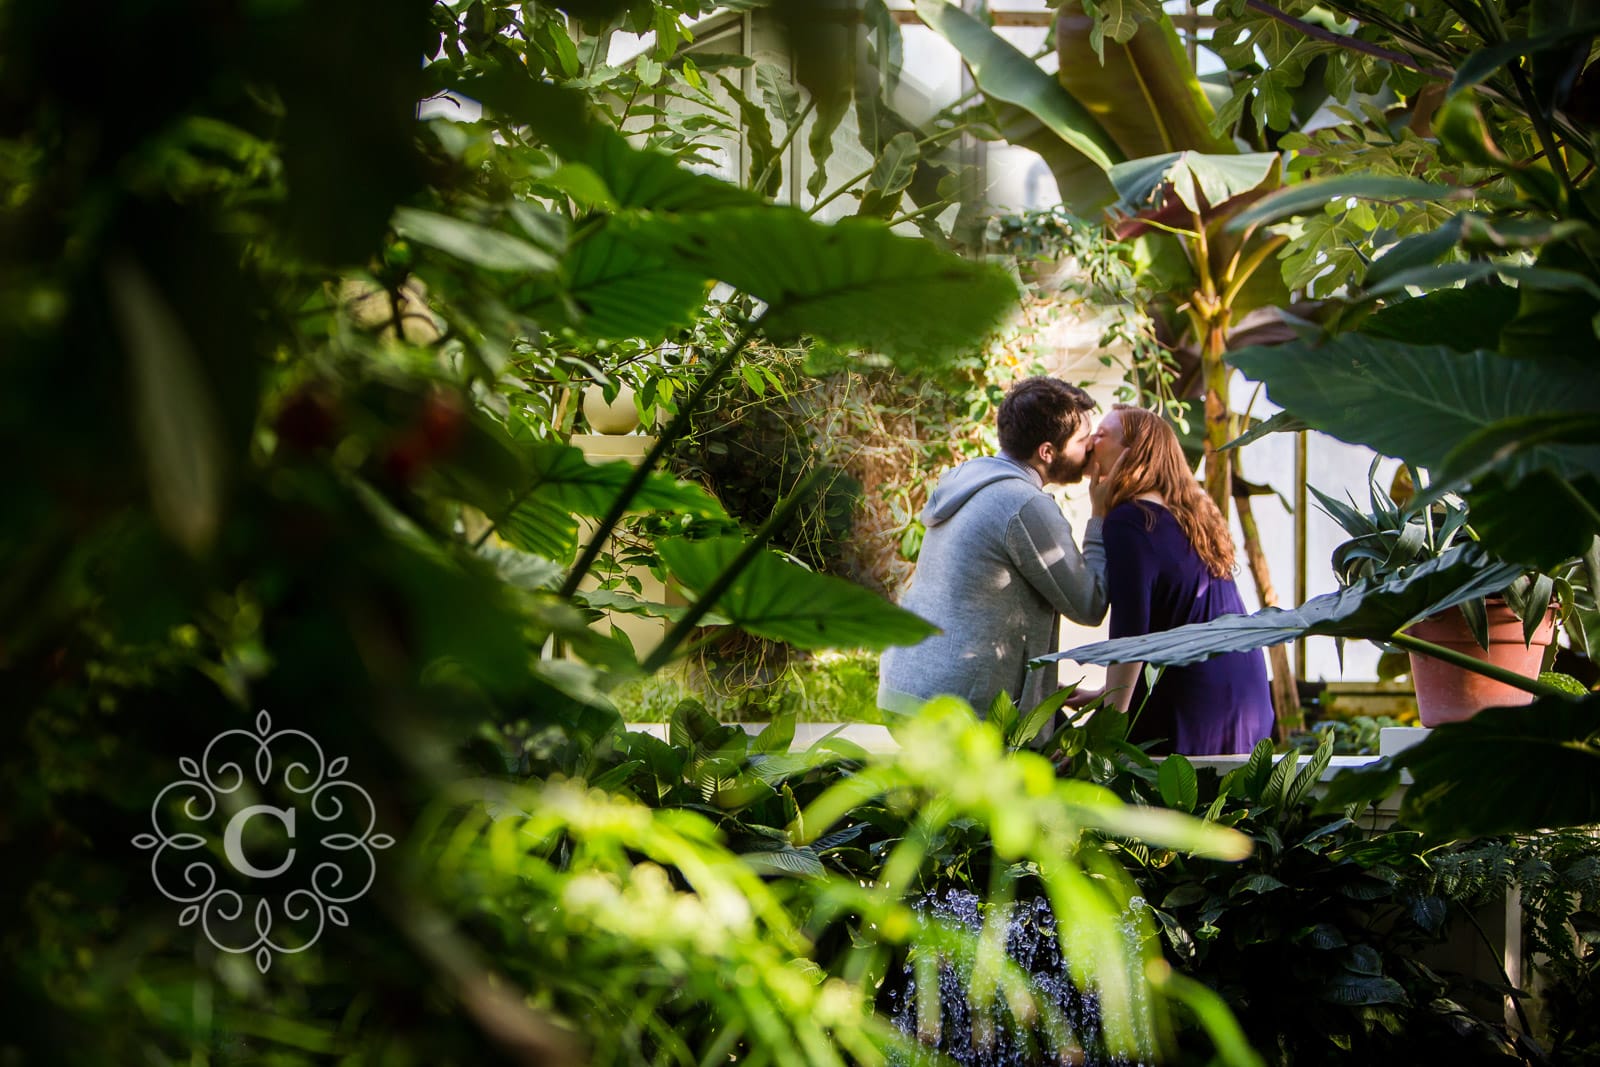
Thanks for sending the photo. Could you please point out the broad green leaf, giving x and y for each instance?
(561, 483)
(782, 601)
(1367, 609)
(1179, 787)
(523, 569)
(1030, 725)
(779, 94)
(791, 863)
(479, 245)
(1508, 770)
(611, 288)
(611, 600)
(1420, 402)
(1462, 319)
(1437, 277)
(850, 283)
(1163, 828)
(1315, 195)
(1198, 180)
(582, 184)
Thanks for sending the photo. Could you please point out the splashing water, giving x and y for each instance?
(994, 1036)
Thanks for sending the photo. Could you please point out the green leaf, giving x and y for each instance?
(467, 241)
(561, 483)
(1143, 90)
(779, 94)
(1420, 402)
(1351, 990)
(1304, 197)
(522, 569)
(1419, 250)
(174, 413)
(1462, 319)
(582, 184)
(1005, 74)
(830, 112)
(790, 863)
(1196, 179)
(1508, 770)
(1484, 62)
(611, 288)
(1282, 422)
(782, 601)
(1176, 780)
(637, 178)
(891, 174)
(1034, 721)
(764, 158)
(850, 283)
(1366, 609)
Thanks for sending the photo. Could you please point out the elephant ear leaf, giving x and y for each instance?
(1508, 770)
(1369, 609)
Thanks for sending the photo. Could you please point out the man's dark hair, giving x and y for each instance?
(1036, 410)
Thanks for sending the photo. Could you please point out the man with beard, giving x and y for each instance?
(998, 566)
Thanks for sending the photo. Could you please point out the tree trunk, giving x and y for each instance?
(1219, 425)
(1285, 695)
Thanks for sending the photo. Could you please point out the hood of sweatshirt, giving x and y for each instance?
(962, 483)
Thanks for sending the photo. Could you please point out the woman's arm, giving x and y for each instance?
(1120, 680)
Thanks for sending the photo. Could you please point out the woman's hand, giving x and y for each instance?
(1099, 485)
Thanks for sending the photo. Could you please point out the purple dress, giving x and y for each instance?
(1157, 581)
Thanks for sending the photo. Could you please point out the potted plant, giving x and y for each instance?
(1513, 631)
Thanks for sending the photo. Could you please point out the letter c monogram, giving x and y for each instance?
(232, 848)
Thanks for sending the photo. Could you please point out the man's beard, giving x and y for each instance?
(1063, 471)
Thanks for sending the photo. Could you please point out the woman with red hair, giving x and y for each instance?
(1169, 561)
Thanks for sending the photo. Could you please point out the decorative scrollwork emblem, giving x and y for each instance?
(336, 865)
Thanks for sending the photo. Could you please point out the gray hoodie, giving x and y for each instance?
(997, 570)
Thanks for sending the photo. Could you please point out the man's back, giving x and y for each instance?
(998, 566)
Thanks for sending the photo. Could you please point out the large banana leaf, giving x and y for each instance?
(1144, 92)
(783, 601)
(851, 283)
(1368, 609)
(1082, 151)
(1200, 181)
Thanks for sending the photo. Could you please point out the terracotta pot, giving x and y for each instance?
(1446, 693)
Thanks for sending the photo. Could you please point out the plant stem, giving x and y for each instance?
(788, 139)
(708, 598)
(1472, 663)
(1345, 41)
(674, 430)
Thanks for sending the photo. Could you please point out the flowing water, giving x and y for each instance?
(995, 1037)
